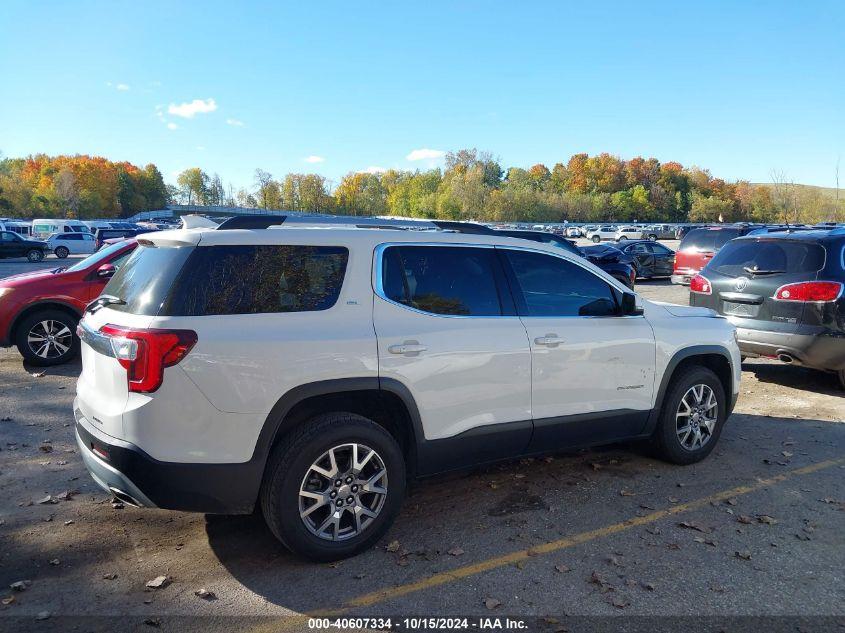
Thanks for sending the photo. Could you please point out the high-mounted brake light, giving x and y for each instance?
(700, 285)
(812, 291)
(145, 353)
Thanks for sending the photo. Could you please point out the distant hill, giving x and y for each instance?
(829, 192)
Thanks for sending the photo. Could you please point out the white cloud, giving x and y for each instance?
(372, 169)
(425, 154)
(201, 148)
(122, 87)
(235, 122)
(188, 110)
(314, 159)
(172, 126)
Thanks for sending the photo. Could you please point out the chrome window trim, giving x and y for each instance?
(378, 286)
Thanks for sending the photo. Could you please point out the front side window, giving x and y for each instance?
(447, 280)
(218, 280)
(554, 287)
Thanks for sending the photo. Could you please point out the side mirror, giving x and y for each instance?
(105, 271)
(629, 305)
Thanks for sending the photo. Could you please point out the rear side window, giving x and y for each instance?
(442, 279)
(770, 257)
(144, 281)
(708, 239)
(551, 286)
(221, 280)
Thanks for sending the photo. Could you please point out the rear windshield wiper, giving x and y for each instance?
(103, 301)
(755, 271)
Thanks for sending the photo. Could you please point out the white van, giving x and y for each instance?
(16, 226)
(43, 228)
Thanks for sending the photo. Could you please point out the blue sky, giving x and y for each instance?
(740, 88)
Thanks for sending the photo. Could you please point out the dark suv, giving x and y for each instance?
(784, 292)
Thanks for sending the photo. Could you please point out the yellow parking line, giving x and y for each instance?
(453, 575)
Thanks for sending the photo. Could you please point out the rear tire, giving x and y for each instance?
(293, 469)
(32, 337)
(35, 255)
(62, 252)
(652, 238)
(674, 438)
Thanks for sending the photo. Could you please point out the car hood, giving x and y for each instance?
(686, 311)
(25, 278)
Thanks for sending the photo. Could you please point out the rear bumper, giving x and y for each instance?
(126, 471)
(683, 277)
(819, 350)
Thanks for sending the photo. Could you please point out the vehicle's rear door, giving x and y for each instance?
(592, 369)
(448, 332)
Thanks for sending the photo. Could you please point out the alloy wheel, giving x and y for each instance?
(695, 419)
(49, 339)
(343, 492)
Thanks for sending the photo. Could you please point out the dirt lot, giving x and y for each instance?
(757, 529)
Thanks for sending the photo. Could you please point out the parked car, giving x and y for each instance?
(655, 232)
(43, 228)
(13, 245)
(64, 244)
(699, 246)
(604, 232)
(628, 233)
(682, 230)
(109, 234)
(650, 258)
(622, 271)
(784, 292)
(39, 310)
(209, 383)
(574, 231)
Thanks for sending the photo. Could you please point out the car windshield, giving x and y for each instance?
(767, 257)
(95, 257)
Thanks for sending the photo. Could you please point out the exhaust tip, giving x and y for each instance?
(125, 497)
(785, 358)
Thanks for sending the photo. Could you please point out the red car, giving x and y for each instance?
(699, 246)
(39, 310)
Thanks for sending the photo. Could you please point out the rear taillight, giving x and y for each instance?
(814, 291)
(145, 353)
(700, 285)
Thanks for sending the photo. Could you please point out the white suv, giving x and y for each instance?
(314, 371)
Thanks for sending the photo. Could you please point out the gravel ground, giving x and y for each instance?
(754, 530)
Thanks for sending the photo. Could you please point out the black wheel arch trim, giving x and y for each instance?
(52, 304)
(680, 356)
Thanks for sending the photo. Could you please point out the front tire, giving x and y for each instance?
(62, 252)
(841, 375)
(596, 239)
(47, 338)
(652, 238)
(333, 486)
(35, 255)
(692, 416)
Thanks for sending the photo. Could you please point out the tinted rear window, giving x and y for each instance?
(768, 256)
(708, 239)
(144, 281)
(258, 279)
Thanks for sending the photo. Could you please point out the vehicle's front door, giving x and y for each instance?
(6, 244)
(86, 244)
(13, 245)
(448, 333)
(664, 260)
(592, 369)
